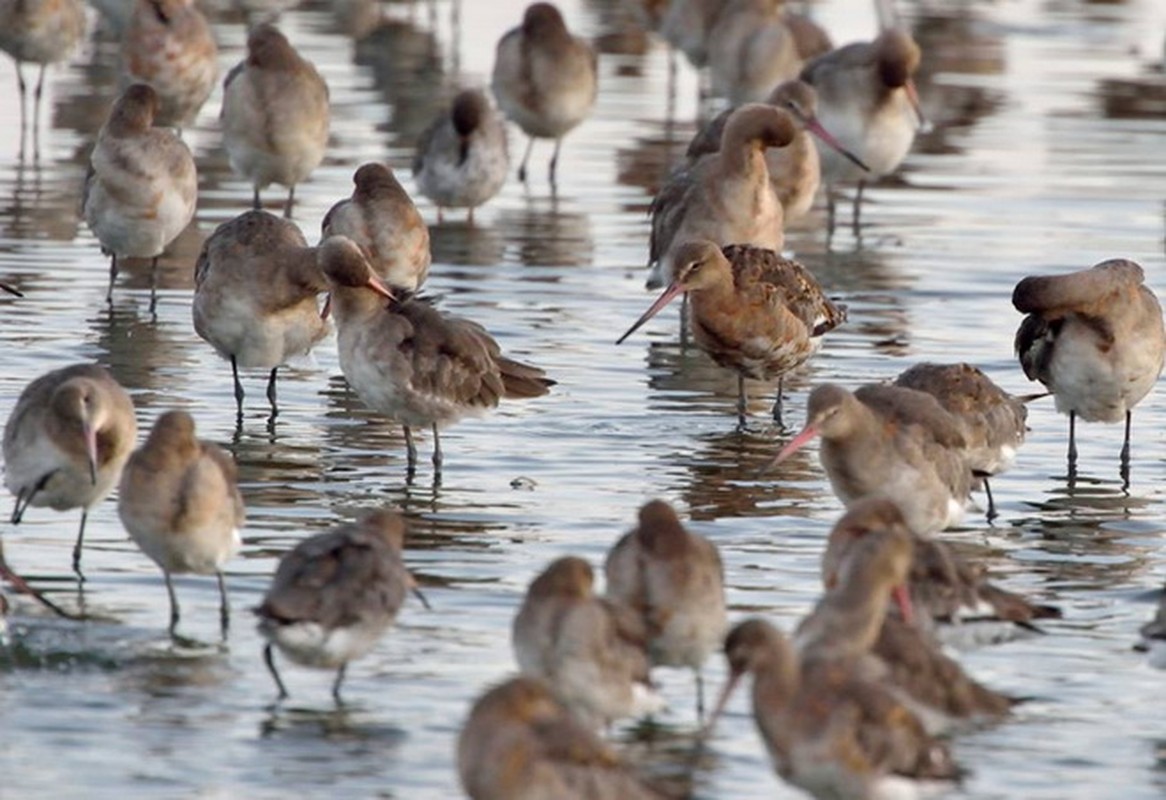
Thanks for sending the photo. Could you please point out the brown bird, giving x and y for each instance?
(463, 156)
(142, 185)
(335, 595)
(950, 596)
(521, 743)
(794, 169)
(411, 362)
(381, 219)
(829, 730)
(992, 421)
(275, 115)
(673, 580)
(751, 310)
(851, 623)
(544, 79)
(168, 45)
(1095, 339)
(751, 50)
(256, 284)
(726, 197)
(179, 500)
(888, 440)
(591, 651)
(66, 442)
(867, 98)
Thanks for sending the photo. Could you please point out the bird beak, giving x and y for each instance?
(806, 434)
(91, 450)
(664, 299)
(902, 597)
(378, 286)
(722, 701)
(913, 99)
(815, 127)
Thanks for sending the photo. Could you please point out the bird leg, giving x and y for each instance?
(554, 161)
(291, 201)
(741, 404)
(1125, 454)
(173, 603)
(699, 698)
(40, 85)
(336, 684)
(238, 387)
(77, 546)
(271, 398)
(525, 158)
(410, 451)
(777, 403)
(1072, 444)
(858, 207)
(224, 606)
(438, 459)
(269, 660)
(112, 276)
(991, 515)
(153, 284)
(255, 206)
(20, 585)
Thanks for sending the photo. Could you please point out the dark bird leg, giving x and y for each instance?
(554, 161)
(238, 387)
(777, 403)
(741, 403)
(77, 546)
(991, 515)
(525, 158)
(112, 277)
(269, 660)
(40, 85)
(858, 208)
(173, 604)
(410, 453)
(1072, 445)
(438, 458)
(271, 397)
(255, 206)
(224, 605)
(153, 285)
(291, 201)
(336, 685)
(1125, 454)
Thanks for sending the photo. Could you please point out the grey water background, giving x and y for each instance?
(1025, 171)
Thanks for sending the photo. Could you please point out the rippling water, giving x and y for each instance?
(1022, 173)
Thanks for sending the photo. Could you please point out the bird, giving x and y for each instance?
(544, 79)
(889, 440)
(179, 501)
(463, 157)
(39, 32)
(827, 728)
(674, 581)
(867, 98)
(751, 50)
(752, 311)
(793, 170)
(335, 595)
(411, 362)
(521, 743)
(951, 597)
(142, 185)
(992, 420)
(381, 219)
(726, 197)
(256, 284)
(1095, 339)
(275, 115)
(850, 623)
(66, 442)
(168, 45)
(591, 651)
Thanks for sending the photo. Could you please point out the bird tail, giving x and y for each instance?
(523, 381)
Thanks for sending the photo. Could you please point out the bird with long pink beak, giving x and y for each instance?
(751, 310)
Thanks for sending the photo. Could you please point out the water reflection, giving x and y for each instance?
(547, 234)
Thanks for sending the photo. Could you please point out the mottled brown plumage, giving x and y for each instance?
(673, 580)
(521, 743)
(179, 501)
(410, 361)
(751, 310)
(383, 221)
(336, 594)
(951, 596)
(168, 45)
(591, 651)
(828, 729)
(726, 197)
(256, 284)
(884, 439)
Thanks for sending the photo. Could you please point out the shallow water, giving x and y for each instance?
(1022, 173)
